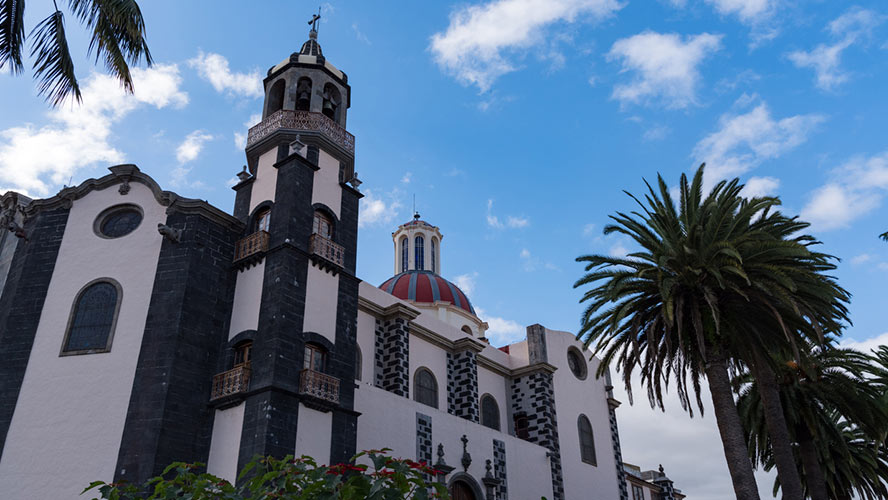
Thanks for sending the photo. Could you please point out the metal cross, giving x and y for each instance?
(314, 20)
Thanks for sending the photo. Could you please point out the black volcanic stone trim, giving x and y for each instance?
(243, 193)
(534, 395)
(462, 385)
(393, 356)
(186, 328)
(423, 438)
(499, 469)
(618, 455)
(271, 417)
(21, 304)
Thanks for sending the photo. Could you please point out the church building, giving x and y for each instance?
(139, 327)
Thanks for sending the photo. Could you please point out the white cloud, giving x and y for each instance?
(517, 222)
(511, 222)
(855, 189)
(214, 69)
(466, 282)
(374, 210)
(618, 249)
(749, 11)
(589, 229)
(35, 159)
(866, 345)
(664, 67)
(743, 141)
(657, 133)
(192, 146)
(360, 35)
(481, 41)
(854, 26)
(501, 331)
(240, 138)
(860, 259)
(761, 186)
(407, 177)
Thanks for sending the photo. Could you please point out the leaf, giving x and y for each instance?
(12, 33)
(53, 66)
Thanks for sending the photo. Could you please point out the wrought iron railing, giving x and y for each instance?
(327, 249)
(251, 245)
(233, 381)
(319, 385)
(302, 120)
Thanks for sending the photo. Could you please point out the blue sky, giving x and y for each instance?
(516, 123)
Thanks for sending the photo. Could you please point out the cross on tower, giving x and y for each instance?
(314, 20)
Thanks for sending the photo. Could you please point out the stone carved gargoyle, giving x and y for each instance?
(169, 233)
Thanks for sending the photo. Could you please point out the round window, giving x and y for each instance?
(118, 221)
(576, 362)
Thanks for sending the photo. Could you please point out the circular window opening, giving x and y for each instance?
(118, 221)
(576, 362)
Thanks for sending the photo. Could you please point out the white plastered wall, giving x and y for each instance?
(321, 298)
(424, 354)
(572, 398)
(247, 300)
(225, 446)
(366, 340)
(266, 179)
(71, 410)
(313, 434)
(326, 183)
(497, 386)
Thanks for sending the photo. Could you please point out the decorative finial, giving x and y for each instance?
(489, 468)
(466, 458)
(243, 174)
(662, 473)
(314, 22)
(441, 454)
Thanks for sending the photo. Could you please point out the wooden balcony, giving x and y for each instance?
(302, 121)
(231, 383)
(251, 248)
(319, 386)
(326, 249)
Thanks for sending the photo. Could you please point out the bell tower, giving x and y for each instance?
(295, 303)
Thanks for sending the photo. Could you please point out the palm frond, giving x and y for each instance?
(53, 66)
(12, 33)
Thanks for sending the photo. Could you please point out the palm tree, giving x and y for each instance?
(118, 37)
(715, 278)
(831, 386)
(884, 236)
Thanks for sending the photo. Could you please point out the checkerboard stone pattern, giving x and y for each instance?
(499, 468)
(534, 396)
(618, 456)
(462, 385)
(391, 371)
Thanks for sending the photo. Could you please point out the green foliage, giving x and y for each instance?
(118, 37)
(289, 478)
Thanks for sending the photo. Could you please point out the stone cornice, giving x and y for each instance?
(534, 368)
(123, 175)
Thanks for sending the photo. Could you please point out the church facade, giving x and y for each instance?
(139, 327)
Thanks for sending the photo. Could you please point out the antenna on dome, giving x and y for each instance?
(415, 213)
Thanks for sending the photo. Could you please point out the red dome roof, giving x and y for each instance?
(426, 286)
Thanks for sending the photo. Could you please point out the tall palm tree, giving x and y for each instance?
(831, 386)
(118, 37)
(715, 278)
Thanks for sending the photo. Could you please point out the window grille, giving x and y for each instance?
(418, 258)
(490, 416)
(587, 441)
(425, 389)
(92, 319)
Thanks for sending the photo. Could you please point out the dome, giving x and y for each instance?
(311, 47)
(428, 287)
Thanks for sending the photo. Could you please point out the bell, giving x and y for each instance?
(328, 109)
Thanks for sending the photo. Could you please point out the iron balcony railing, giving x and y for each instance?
(251, 245)
(234, 381)
(302, 121)
(327, 249)
(319, 385)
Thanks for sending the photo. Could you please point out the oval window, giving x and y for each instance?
(576, 362)
(118, 221)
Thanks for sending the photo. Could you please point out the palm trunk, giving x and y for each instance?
(814, 477)
(730, 429)
(781, 443)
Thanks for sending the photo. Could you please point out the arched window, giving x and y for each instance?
(434, 251)
(425, 388)
(330, 106)
(263, 220)
(466, 329)
(322, 226)
(587, 440)
(522, 425)
(418, 253)
(92, 320)
(405, 252)
(490, 416)
(275, 98)
(314, 358)
(303, 94)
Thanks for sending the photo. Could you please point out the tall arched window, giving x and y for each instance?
(418, 253)
(490, 416)
(92, 319)
(587, 440)
(434, 251)
(425, 388)
(405, 252)
(275, 98)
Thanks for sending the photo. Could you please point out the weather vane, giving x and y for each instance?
(314, 20)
